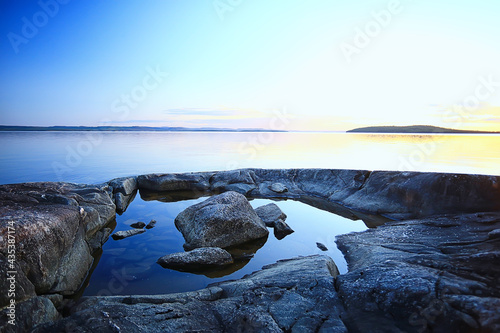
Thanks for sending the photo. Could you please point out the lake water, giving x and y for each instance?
(97, 157)
(129, 266)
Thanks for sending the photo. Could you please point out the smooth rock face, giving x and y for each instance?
(438, 274)
(278, 188)
(270, 213)
(220, 221)
(127, 233)
(197, 259)
(295, 295)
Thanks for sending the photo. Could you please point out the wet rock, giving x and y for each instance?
(270, 213)
(151, 224)
(220, 221)
(291, 295)
(282, 229)
(197, 259)
(174, 182)
(138, 225)
(321, 246)
(278, 188)
(127, 233)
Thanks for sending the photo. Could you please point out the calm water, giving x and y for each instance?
(129, 266)
(97, 157)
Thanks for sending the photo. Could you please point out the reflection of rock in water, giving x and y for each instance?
(172, 196)
(242, 254)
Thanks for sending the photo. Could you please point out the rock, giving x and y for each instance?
(196, 182)
(197, 259)
(151, 224)
(434, 274)
(281, 229)
(494, 234)
(54, 224)
(241, 181)
(278, 188)
(138, 225)
(321, 246)
(220, 221)
(127, 233)
(270, 213)
(124, 185)
(291, 295)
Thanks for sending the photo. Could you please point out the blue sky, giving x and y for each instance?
(324, 65)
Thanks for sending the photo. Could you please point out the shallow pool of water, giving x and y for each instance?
(128, 266)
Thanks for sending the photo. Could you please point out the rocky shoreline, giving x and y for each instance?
(434, 268)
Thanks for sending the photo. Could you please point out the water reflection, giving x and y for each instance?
(128, 266)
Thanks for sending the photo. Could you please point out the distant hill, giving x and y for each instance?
(127, 129)
(413, 129)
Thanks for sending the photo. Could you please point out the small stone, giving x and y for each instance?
(138, 225)
(281, 229)
(151, 224)
(127, 233)
(200, 258)
(278, 188)
(321, 246)
(270, 214)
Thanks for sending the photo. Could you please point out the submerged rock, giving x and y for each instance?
(321, 246)
(220, 221)
(127, 233)
(270, 213)
(197, 259)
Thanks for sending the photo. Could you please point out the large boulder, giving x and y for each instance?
(197, 259)
(220, 221)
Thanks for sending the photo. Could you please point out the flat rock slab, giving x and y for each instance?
(220, 221)
(439, 274)
(127, 233)
(197, 259)
(292, 295)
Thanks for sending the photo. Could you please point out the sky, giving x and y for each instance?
(317, 65)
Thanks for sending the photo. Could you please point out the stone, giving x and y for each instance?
(151, 224)
(291, 295)
(321, 246)
(220, 221)
(282, 229)
(433, 274)
(197, 259)
(270, 213)
(138, 225)
(127, 233)
(278, 188)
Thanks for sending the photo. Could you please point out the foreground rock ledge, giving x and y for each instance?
(425, 262)
(295, 295)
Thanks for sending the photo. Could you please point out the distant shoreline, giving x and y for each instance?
(4, 128)
(415, 129)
